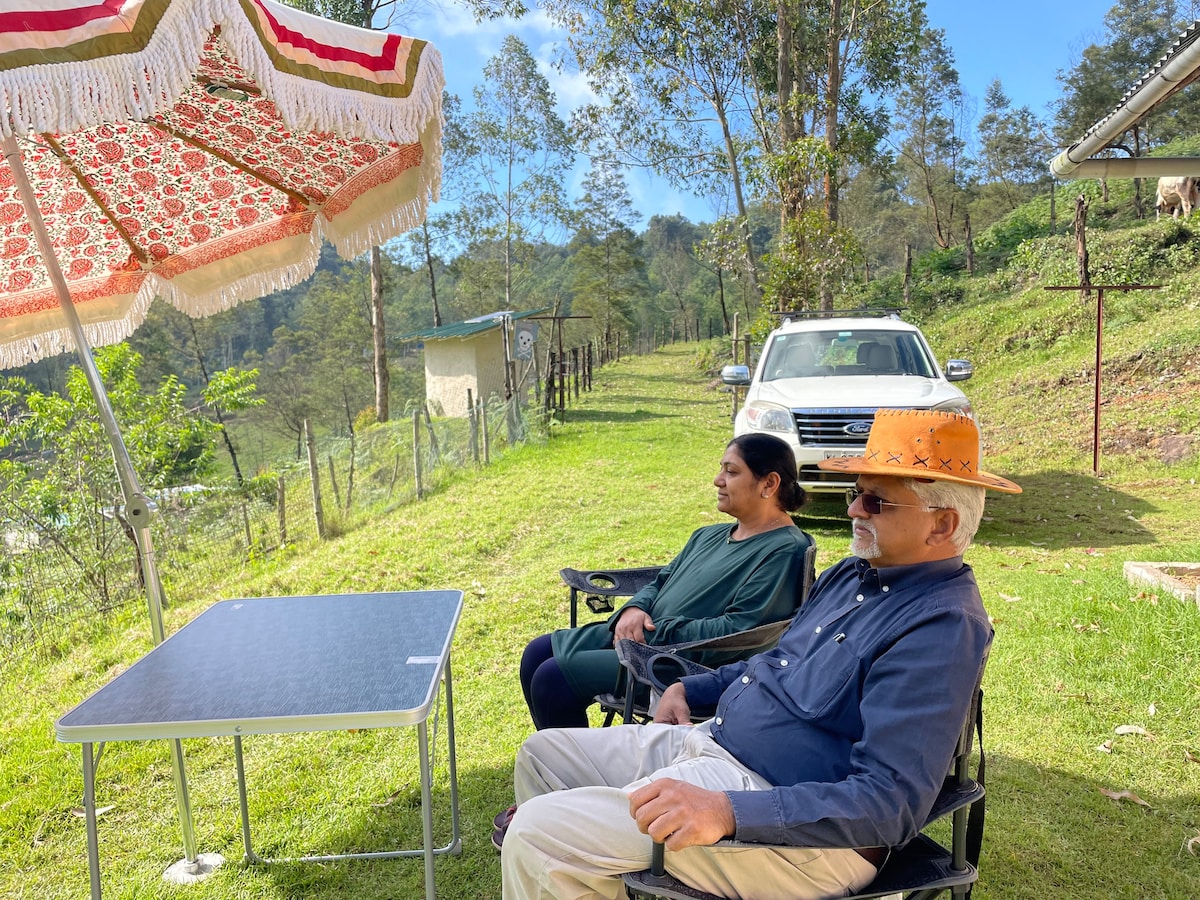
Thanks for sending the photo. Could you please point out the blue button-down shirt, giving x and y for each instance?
(856, 714)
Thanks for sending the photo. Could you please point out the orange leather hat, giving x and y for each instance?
(922, 443)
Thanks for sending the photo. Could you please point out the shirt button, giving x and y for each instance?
(783, 662)
(818, 631)
(719, 720)
(745, 679)
(860, 598)
(884, 588)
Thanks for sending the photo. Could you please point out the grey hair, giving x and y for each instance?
(965, 498)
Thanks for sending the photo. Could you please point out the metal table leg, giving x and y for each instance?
(89, 812)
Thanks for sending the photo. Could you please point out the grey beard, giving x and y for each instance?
(865, 548)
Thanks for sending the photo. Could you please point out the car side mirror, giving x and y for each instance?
(958, 370)
(737, 375)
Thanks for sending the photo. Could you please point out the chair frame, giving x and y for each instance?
(921, 869)
(599, 586)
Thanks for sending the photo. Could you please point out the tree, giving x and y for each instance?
(609, 273)
(512, 153)
(931, 116)
(1012, 150)
(671, 244)
(675, 96)
(56, 462)
(831, 59)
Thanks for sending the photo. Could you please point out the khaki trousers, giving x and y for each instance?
(572, 836)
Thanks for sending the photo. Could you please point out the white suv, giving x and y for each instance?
(820, 380)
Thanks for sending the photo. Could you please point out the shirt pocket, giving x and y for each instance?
(825, 678)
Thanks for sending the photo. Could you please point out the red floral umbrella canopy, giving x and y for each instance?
(199, 150)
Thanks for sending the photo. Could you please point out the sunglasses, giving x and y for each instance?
(874, 505)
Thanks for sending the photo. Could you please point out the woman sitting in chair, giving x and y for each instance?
(726, 579)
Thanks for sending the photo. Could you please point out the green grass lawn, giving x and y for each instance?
(623, 481)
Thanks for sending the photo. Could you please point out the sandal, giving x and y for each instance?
(503, 818)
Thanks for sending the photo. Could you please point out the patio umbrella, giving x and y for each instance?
(198, 151)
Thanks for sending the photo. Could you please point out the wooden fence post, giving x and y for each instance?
(417, 452)
(246, 527)
(473, 427)
(337, 491)
(734, 344)
(314, 475)
(281, 502)
(483, 427)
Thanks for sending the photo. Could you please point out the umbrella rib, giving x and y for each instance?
(229, 160)
(67, 161)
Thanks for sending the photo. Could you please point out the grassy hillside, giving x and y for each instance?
(623, 481)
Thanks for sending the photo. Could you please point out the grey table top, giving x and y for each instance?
(281, 664)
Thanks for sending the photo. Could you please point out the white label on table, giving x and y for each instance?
(423, 660)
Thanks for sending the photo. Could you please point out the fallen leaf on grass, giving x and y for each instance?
(1132, 729)
(1125, 795)
(1008, 597)
(1190, 756)
(80, 812)
(1106, 747)
(1151, 710)
(391, 798)
(1192, 844)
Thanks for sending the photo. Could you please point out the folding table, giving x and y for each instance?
(281, 665)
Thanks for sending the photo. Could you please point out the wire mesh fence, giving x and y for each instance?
(53, 574)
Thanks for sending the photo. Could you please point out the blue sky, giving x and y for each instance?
(1024, 43)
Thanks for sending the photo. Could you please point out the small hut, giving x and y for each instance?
(472, 356)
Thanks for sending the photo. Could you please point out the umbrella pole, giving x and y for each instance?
(137, 508)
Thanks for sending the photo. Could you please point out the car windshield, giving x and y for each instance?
(813, 354)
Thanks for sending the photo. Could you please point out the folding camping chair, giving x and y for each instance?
(921, 869)
(600, 586)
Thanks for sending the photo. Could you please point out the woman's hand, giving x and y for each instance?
(632, 625)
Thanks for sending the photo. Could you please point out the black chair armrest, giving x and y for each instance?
(658, 667)
(599, 586)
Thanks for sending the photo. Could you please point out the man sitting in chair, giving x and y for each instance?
(838, 738)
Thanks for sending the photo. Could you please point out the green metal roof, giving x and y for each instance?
(469, 327)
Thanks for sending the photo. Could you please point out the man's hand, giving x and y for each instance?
(682, 815)
(673, 707)
(632, 624)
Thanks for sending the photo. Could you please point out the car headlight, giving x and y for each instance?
(960, 405)
(769, 417)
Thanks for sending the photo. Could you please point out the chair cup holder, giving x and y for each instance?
(664, 669)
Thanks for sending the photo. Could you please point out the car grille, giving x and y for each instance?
(827, 427)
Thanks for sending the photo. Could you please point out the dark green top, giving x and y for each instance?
(715, 586)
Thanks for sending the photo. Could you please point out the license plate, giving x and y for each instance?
(849, 451)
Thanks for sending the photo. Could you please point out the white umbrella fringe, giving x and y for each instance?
(139, 85)
(51, 341)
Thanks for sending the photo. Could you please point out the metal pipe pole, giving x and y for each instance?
(137, 507)
(1096, 402)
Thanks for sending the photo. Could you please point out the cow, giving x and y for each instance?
(1174, 194)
